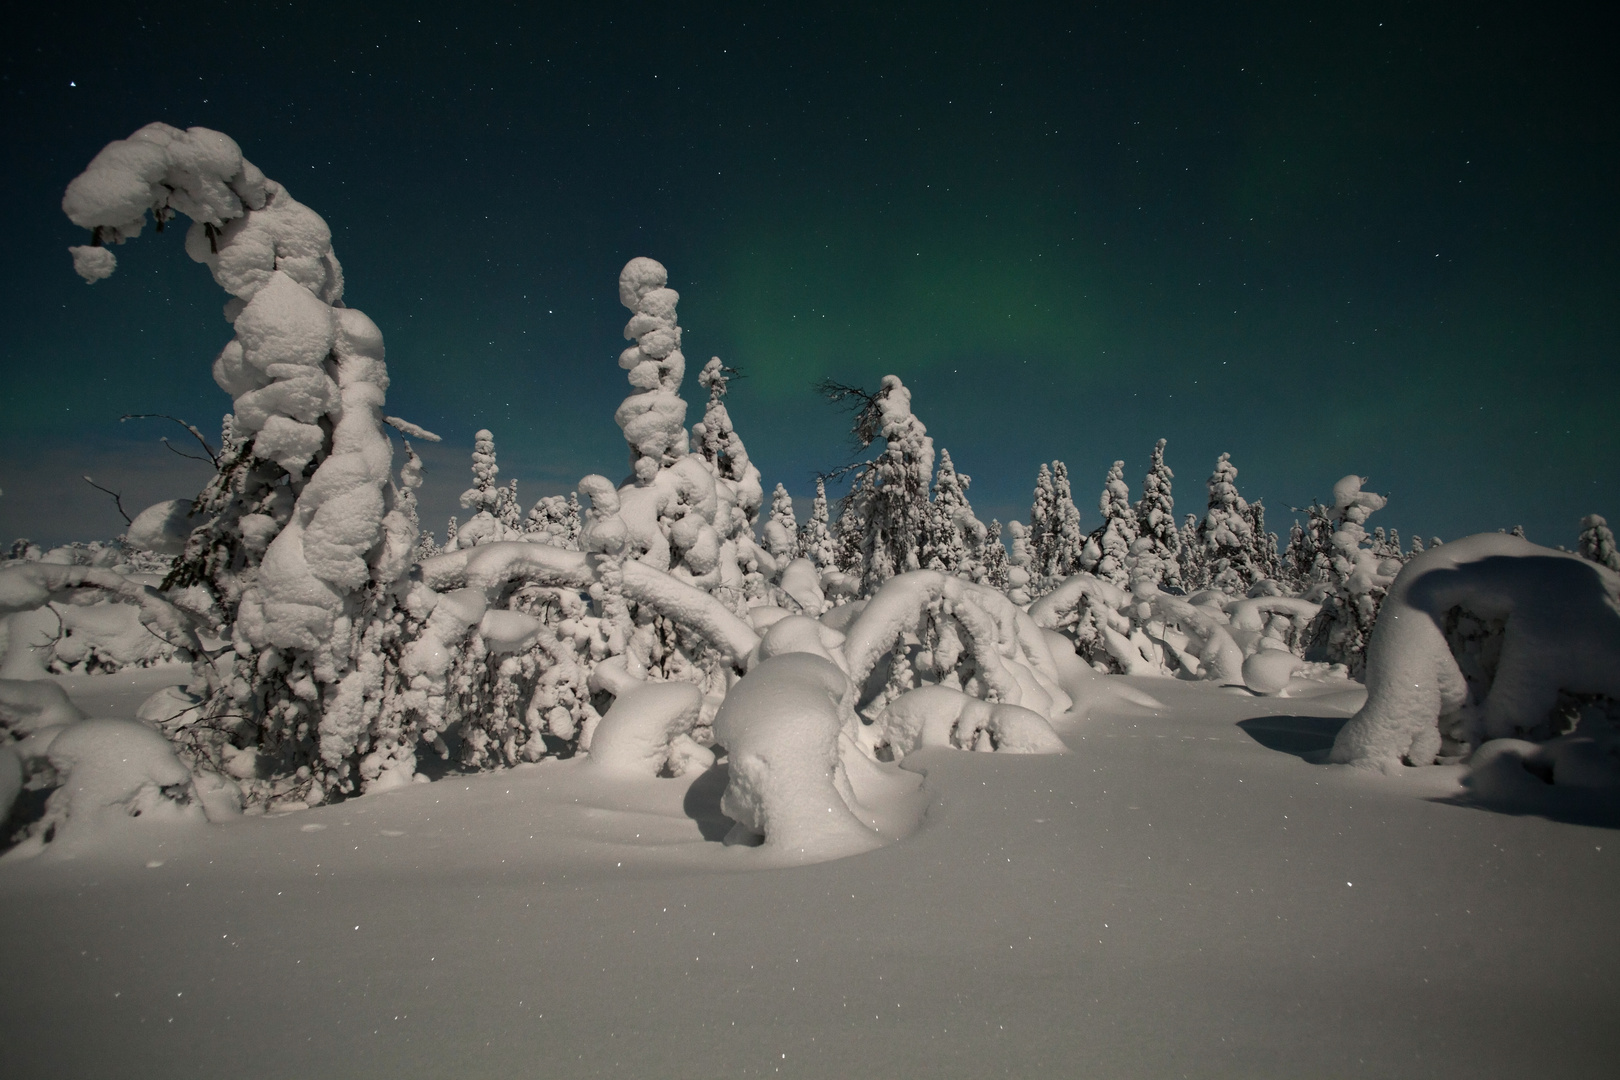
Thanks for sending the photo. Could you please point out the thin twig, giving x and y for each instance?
(118, 502)
(213, 456)
(188, 457)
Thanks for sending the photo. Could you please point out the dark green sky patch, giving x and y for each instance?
(1380, 240)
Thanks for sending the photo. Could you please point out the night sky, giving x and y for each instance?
(1381, 239)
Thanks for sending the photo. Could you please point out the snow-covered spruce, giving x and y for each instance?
(1109, 548)
(1227, 534)
(953, 539)
(815, 535)
(494, 508)
(303, 543)
(1056, 546)
(1558, 621)
(887, 508)
(1156, 519)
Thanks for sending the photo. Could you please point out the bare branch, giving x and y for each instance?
(182, 453)
(868, 417)
(117, 501)
(191, 429)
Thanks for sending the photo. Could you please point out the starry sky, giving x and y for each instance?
(1377, 238)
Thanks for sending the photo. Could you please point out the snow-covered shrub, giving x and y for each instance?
(1597, 542)
(785, 727)
(303, 544)
(648, 731)
(109, 772)
(940, 716)
(1546, 640)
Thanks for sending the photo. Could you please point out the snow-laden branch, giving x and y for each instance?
(32, 585)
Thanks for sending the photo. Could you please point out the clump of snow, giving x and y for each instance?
(1560, 634)
(1270, 670)
(163, 527)
(93, 263)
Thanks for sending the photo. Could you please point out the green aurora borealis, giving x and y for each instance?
(1381, 240)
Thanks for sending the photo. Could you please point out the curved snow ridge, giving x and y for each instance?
(1562, 633)
(1010, 650)
(491, 565)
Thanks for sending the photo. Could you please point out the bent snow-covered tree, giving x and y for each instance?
(305, 532)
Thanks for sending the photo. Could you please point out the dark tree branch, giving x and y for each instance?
(191, 429)
(117, 501)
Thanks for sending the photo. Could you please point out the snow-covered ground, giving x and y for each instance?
(1182, 894)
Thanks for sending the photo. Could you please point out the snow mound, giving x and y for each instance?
(648, 731)
(940, 716)
(26, 705)
(782, 725)
(112, 771)
(1560, 635)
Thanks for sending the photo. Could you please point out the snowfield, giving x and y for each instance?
(1181, 894)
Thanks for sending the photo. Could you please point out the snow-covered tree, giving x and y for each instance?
(1156, 518)
(953, 539)
(1267, 562)
(1194, 568)
(555, 520)
(1355, 583)
(782, 528)
(1114, 537)
(887, 508)
(815, 536)
(994, 558)
(495, 508)
(304, 547)
(1597, 542)
(1227, 534)
(1054, 537)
